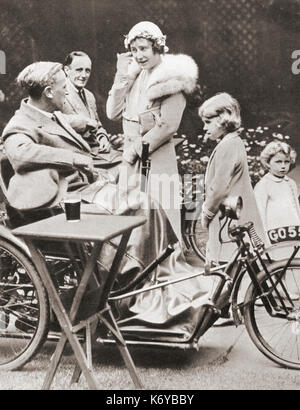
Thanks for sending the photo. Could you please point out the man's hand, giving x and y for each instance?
(205, 221)
(83, 162)
(92, 124)
(130, 155)
(117, 141)
(104, 144)
(77, 121)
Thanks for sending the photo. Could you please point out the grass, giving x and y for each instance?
(155, 370)
(227, 360)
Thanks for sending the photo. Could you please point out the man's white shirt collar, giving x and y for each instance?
(73, 86)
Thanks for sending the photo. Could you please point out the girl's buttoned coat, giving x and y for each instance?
(227, 175)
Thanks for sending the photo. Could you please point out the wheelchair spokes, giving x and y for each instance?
(24, 309)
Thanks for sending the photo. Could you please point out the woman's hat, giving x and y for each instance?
(147, 30)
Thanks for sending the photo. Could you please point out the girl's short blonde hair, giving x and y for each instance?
(226, 108)
(274, 148)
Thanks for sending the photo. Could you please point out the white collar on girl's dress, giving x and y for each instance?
(276, 179)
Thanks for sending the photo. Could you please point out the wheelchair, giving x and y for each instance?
(270, 315)
(26, 320)
(25, 317)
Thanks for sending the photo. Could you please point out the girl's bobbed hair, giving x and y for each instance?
(274, 148)
(224, 106)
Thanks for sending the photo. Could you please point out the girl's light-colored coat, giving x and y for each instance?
(227, 175)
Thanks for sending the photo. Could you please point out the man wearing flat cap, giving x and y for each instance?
(48, 156)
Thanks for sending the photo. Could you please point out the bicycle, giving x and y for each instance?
(266, 306)
(25, 314)
(194, 236)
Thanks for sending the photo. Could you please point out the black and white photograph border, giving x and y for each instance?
(249, 49)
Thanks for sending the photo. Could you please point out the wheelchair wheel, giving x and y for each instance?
(276, 335)
(24, 308)
(198, 238)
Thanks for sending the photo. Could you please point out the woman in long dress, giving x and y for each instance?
(149, 95)
(49, 158)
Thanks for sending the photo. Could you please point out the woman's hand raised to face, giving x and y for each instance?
(127, 66)
(123, 62)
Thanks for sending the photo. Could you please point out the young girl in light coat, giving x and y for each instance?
(227, 173)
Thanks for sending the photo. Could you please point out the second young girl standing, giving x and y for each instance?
(276, 194)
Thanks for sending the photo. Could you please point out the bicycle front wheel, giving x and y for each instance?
(276, 334)
(198, 238)
(24, 308)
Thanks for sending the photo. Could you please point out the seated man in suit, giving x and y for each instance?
(82, 102)
(46, 153)
(49, 158)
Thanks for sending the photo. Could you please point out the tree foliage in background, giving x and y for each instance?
(193, 157)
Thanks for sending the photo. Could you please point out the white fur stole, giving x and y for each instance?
(176, 73)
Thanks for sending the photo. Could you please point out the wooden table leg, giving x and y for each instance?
(77, 371)
(64, 320)
(111, 323)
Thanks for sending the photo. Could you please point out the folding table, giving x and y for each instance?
(94, 229)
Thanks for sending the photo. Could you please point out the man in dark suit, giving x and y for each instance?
(79, 100)
(48, 156)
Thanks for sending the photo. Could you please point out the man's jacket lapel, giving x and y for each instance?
(74, 100)
(69, 132)
(57, 126)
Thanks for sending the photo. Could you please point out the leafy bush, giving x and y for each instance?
(193, 157)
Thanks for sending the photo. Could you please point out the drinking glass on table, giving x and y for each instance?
(72, 202)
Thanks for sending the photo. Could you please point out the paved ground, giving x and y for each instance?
(230, 360)
(229, 354)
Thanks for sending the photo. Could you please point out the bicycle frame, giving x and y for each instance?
(242, 261)
(265, 293)
(228, 274)
(248, 264)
